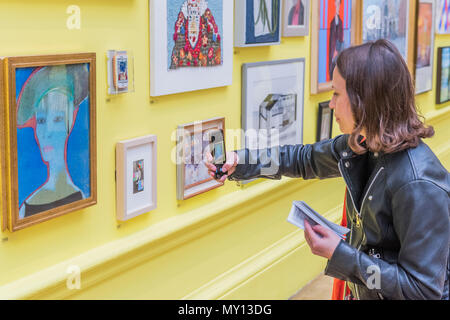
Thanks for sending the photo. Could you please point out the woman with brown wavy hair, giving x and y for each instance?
(397, 199)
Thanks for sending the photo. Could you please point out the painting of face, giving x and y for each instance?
(52, 137)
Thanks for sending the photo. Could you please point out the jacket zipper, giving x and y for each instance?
(359, 217)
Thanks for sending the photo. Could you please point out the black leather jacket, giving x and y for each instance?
(401, 230)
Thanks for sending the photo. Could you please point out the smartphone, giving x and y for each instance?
(217, 148)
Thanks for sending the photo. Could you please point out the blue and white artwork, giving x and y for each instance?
(262, 21)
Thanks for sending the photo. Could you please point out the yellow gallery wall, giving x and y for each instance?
(232, 242)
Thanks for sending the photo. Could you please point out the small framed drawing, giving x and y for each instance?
(3, 189)
(272, 103)
(191, 45)
(443, 75)
(394, 20)
(52, 136)
(425, 46)
(120, 71)
(333, 28)
(192, 142)
(136, 181)
(295, 18)
(325, 121)
(258, 23)
(443, 17)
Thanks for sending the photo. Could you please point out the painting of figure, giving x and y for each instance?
(53, 137)
(334, 35)
(262, 21)
(138, 176)
(296, 15)
(387, 19)
(194, 33)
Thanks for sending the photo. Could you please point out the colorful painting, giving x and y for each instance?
(194, 33)
(387, 19)
(443, 16)
(53, 136)
(424, 35)
(335, 34)
(138, 176)
(295, 18)
(443, 75)
(296, 12)
(262, 21)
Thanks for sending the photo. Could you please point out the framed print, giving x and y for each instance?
(443, 75)
(425, 46)
(136, 171)
(442, 17)
(272, 103)
(120, 68)
(191, 45)
(393, 20)
(3, 152)
(52, 135)
(258, 23)
(333, 29)
(295, 18)
(192, 143)
(324, 122)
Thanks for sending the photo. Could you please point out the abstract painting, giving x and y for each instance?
(443, 16)
(52, 113)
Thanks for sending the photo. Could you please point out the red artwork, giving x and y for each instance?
(196, 36)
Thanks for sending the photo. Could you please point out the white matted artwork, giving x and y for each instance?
(295, 18)
(191, 45)
(272, 103)
(192, 142)
(136, 176)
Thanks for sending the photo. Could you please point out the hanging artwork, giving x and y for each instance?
(324, 122)
(191, 45)
(196, 36)
(3, 190)
(425, 46)
(443, 75)
(258, 22)
(136, 171)
(52, 136)
(393, 20)
(295, 18)
(333, 30)
(443, 16)
(192, 143)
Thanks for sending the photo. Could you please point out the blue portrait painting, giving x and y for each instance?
(53, 137)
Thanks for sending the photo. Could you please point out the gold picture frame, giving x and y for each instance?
(52, 97)
(3, 152)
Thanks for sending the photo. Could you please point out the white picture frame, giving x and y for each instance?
(136, 177)
(425, 48)
(258, 34)
(293, 30)
(164, 81)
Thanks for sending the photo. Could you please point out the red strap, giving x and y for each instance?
(340, 290)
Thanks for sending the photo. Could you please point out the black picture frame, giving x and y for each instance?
(324, 122)
(443, 72)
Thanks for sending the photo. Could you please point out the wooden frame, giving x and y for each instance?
(319, 69)
(411, 27)
(145, 148)
(292, 30)
(3, 152)
(443, 75)
(324, 121)
(185, 135)
(241, 27)
(15, 63)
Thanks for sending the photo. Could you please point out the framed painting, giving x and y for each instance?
(191, 45)
(443, 17)
(52, 136)
(324, 122)
(192, 143)
(295, 18)
(136, 171)
(443, 75)
(393, 20)
(258, 23)
(425, 46)
(333, 28)
(272, 103)
(3, 152)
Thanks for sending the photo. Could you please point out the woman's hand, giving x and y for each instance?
(321, 240)
(229, 167)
